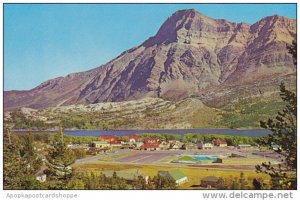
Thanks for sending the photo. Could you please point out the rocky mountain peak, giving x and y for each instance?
(189, 55)
(178, 27)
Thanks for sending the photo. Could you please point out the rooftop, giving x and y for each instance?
(211, 179)
(174, 174)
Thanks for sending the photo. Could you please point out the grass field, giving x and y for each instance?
(194, 174)
(109, 158)
(245, 161)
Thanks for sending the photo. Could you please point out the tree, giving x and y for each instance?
(284, 134)
(20, 162)
(60, 158)
(235, 184)
(293, 51)
(76, 184)
(163, 183)
(79, 153)
(242, 181)
(158, 90)
(11, 157)
(140, 183)
(256, 184)
(29, 155)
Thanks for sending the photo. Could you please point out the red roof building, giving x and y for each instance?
(115, 143)
(154, 146)
(151, 141)
(150, 144)
(136, 137)
(108, 138)
(133, 138)
(219, 142)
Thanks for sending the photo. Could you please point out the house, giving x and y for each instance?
(210, 181)
(127, 146)
(172, 141)
(108, 138)
(115, 143)
(137, 145)
(244, 146)
(164, 146)
(220, 143)
(95, 151)
(189, 146)
(81, 146)
(133, 138)
(176, 175)
(70, 144)
(150, 144)
(275, 147)
(174, 147)
(101, 144)
(202, 145)
(150, 147)
(40, 175)
(151, 140)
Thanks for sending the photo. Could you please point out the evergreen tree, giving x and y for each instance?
(158, 90)
(242, 181)
(235, 184)
(139, 183)
(60, 158)
(256, 184)
(20, 162)
(284, 134)
(163, 183)
(11, 158)
(293, 51)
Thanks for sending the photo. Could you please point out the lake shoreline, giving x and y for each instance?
(221, 131)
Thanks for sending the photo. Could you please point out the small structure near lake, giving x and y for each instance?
(220, 143)
(207, 145)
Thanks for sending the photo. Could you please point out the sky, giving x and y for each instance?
(44, 41)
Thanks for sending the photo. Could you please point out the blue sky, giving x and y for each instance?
(44, 41)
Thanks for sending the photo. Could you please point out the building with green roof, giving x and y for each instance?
(178, 176)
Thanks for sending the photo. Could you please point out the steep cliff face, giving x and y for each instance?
(189, 54)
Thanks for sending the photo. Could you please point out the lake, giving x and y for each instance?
(245, 132)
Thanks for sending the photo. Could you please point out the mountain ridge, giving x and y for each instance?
(189, 54)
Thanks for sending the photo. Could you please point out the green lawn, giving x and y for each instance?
(186, 158)
(245, 161)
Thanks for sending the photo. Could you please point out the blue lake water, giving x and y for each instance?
(248, 132)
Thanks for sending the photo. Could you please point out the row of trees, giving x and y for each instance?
(20, 121)
(96, 181)
(284, 134)
(230, 139)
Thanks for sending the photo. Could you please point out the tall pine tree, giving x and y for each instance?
(284, 134)
(60, 158)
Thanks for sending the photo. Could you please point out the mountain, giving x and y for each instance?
(191, 55)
